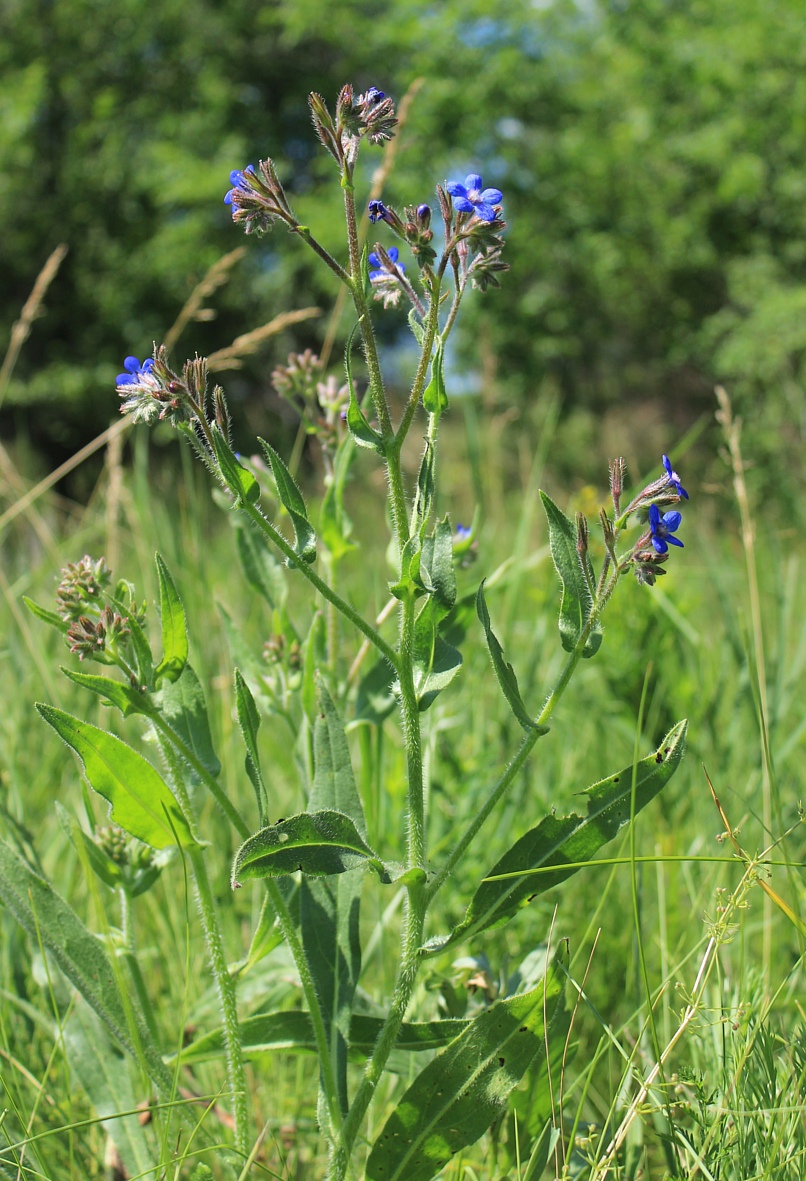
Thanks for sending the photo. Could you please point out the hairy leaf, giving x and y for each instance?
(575, 606)
(174, 626)
(263, 572)
(292, 501)
(241, 483)
(564, 841)
(117, 693)
(456, 1098)
(46, 616)
(185, 711)
(503, 670)
(317, 843)
(249, 721)
(141, 802)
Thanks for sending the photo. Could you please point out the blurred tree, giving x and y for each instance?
(650, 153)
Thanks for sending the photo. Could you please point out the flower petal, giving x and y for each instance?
(672, 521)
(125, 379)
(373, 260)
(485, 212)
(463, 205)
(148, 365)
(236, 176)
(455, 189)
(492, 196)
(473, 181)
(675, 541)
(131, 365)
(393, 253)
(659, 545)
(654, 516)
(228, 198)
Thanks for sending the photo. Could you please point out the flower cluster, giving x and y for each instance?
(652, 548)
(152, 391)
(257, 198)
(82, 585)
(371, 115)
(98, 615)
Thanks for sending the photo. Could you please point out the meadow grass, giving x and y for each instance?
(675, 950)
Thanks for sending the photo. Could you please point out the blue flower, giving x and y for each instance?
(472, 198)
(237, 178)
(377, 211)
(462, 533)
(662, 528)
(674, 479)
(376, 268)
(134, 371)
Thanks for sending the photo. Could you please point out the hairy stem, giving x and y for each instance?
(335, 266)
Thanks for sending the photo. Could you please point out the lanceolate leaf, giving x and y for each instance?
(109, 1082)
(141, 802)
(174, 626)
(292, 1030)
(436, 572)
(46, 616)
(435, 399)
(575, 606)
(563, 841)
(117, 693)
(263, 572)
(240, 482)
(503, 670)
(45, 915)
(329, 908)
(185, 711)
(436, 662)
(291, 500)
(357, 422)
(317, 843)
(456, 1098)
(249, 721)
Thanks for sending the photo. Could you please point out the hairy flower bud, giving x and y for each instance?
(324, 125)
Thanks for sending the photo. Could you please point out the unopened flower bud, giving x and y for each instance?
(424, 216)
(582, 534)
(617, 468)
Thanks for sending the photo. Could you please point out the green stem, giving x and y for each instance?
(236, 1072)
(505, 782)
(226, 993)
(411, 733)
(325, 591)
(213, 786)
(418, 384)
(314, 1009)
(407, 977)
(335, 266)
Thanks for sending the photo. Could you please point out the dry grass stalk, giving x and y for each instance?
(216, 277)
(250, 342)
(32, 309)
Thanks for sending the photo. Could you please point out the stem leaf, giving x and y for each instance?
(127, 699)
(316, 843)
(458, 1095)
(563, 841)
(249, 722)
(357, 422)
(576, 604)
(46, 616)
(174, 627)
(241, 483)
(292, 501)
(141, 802)
(503, 670)
(435, 399)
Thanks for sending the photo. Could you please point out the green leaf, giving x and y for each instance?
(141, 802)
(575, 607)
(435, 399)
(357, 422)
(185, 711)
(142, 650)
(174, 627)
(407, 583)
(46, 616)
(375, 698)
(118, 693)
(291, 1030)
(262, 571)
(249, 721)
(291, 500)
(436, 662)
(416, 327)
(315, 654)
(564, 841)
(46, 916)
(503, 670)
(333, 781)
(458, 1095)
(111, 1087)
(436, 573)
(424, 497)
(541, 1152)
(334, 524)
(329, 909)
(317, 843)
(241, 483)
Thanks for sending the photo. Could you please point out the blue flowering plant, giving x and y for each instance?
(311, 869)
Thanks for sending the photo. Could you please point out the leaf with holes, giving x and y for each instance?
(317, 843)
(457, 1097)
